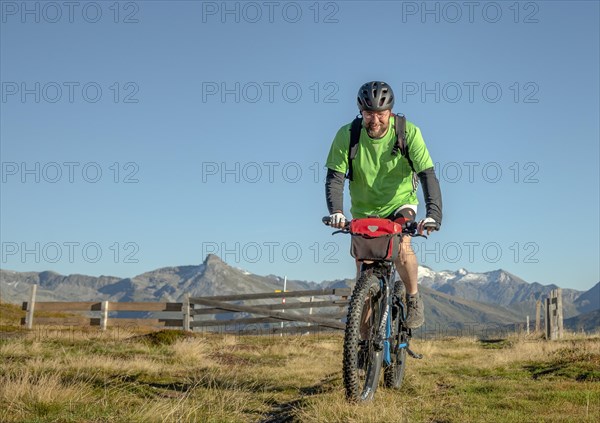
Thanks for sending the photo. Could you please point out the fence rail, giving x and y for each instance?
(193, 310)
(292, 306)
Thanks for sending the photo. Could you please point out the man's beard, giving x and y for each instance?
(377, 131)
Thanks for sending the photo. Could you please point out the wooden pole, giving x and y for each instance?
(104, 315)
(30, 308)
(559, 312)
(185, 309)
(283, 301)
(310, 311)
(548, 319)
(527, 324)
(554, 315)
(538, 306)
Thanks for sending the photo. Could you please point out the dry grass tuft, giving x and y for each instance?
(194, 351)
(25, 393)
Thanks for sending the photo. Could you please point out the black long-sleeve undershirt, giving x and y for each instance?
(432, 194)
(334, 191)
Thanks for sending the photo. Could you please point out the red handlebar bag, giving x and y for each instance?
(375, 239)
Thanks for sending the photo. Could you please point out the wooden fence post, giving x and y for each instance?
(538, 306)
(185, 310)
(548, 319)
(559, 313)
(553, 326)
(310, 311)
(527, 324)
(30, 308)
(554, 315)
(104, 315)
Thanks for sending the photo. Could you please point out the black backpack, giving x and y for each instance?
(400, 145)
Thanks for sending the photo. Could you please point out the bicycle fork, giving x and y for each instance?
(383, 340)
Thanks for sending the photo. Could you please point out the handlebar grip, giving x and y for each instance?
(435, 226)
(411, 226)
(326, 220)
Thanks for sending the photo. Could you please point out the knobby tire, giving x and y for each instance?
(362, 363)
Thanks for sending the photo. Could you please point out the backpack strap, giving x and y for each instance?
(401, 144)
(355, 129)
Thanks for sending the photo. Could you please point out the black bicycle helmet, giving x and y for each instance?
(375, 96)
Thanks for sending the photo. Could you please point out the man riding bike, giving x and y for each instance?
(382, 182)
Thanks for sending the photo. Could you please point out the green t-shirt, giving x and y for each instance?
(382, 182)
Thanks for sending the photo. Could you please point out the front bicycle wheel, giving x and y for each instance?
(393, 375)
(362, 357)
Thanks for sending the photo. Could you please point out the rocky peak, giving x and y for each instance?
(213, 260)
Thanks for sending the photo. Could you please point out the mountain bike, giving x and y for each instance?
(375, 334)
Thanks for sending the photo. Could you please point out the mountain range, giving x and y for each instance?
(452, 298)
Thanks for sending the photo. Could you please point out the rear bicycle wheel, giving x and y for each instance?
(362, 359)
(393, 375)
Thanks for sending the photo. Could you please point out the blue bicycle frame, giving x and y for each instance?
(387, 347)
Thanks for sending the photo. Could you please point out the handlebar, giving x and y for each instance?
(408, 228)
(327, 221)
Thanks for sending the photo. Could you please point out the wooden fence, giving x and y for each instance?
(273, 313)
(550, 312)
(191, 311)
(195, 312)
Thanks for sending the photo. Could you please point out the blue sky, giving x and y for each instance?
(137, 135)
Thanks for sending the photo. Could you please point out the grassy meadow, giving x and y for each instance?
(81, 375)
